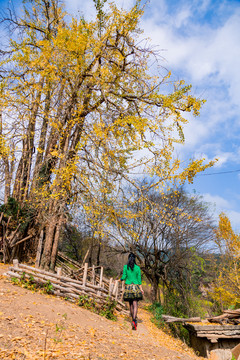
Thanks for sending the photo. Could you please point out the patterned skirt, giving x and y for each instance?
(132, 292)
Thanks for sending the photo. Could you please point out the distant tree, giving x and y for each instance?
(171, 229)
(225, 289)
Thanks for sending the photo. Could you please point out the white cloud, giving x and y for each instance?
(182, 17)
(222, 158)
(234, 217)
(203, 51)
(220, 203)
(223, 205)
(206, 56)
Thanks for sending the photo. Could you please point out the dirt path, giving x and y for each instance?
(36, 326)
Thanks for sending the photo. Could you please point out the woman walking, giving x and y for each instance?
(133, 287)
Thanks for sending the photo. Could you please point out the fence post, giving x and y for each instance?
(59, 271)
(123, 288)
(15, 264)
(39, 250)
(101, 277)
(110, 286)
(116, 295)
(115, 287)
(93, 274)
(85, 274)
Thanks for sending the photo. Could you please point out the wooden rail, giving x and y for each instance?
(89, 283)
(94, 273)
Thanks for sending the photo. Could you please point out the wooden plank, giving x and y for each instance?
(219, 336)
(170, 319)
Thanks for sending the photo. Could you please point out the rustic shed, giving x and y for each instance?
(205, 338)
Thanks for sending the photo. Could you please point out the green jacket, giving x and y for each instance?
(132, 276)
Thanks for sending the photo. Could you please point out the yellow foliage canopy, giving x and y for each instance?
(226, 289)
(82, 113)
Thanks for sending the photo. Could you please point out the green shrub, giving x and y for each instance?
(107, 310)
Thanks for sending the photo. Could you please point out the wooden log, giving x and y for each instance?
(44, 279)
(53, 281)
(51, 276)
(237, 311)
(69, 260)
(66, 290)
(48, 276)
(170, 319)
(14, 234)
(13, 274)
(40, 271)
(219, 318)
(85, 257)
(66, 269)
(40, 276)
(121, 304)
(89, 286)
(21, 241)
(62, 284)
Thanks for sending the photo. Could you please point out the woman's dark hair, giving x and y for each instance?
(131, 261)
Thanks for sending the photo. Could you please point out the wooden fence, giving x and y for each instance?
(89, 282)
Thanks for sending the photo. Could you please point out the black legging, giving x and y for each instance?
(133, 309)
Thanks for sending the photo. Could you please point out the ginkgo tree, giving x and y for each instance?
(80, 112)
(226, 287)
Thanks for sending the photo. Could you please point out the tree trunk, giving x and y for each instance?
(98, 253)
(8, 174)
(22, 180)
(49, 240)
(154, 290)
(55, 243)
(7, 181)
(39, 249)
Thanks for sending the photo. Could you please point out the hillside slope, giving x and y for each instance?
(36, 326)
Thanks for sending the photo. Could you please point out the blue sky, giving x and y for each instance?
(200, 43)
